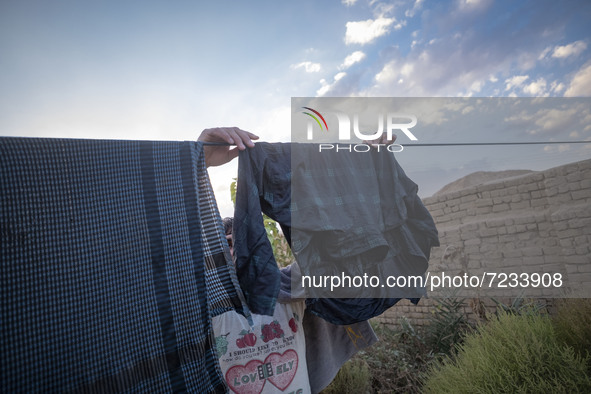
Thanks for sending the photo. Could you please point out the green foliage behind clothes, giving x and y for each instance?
(510, 354)
(447, 325)
(572, 323)
(353, 377)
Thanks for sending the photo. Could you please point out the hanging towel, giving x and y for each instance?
(113, 262)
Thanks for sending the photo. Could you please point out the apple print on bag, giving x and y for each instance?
(246, 339)
(266, 356)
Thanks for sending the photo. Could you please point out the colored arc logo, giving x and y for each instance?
(315, 118)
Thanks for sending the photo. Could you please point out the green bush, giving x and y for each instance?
(281, 250)
(397, 360)
(572, 323)
(513, 353)
(403, 353)
(353, 377)
(520, 306)
(447, 325)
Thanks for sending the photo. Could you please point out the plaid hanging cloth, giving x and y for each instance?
(112, 263)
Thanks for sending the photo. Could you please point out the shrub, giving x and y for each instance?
(395, 362)
(353, 377)
(520, 306)
(398, 360)
(572, 323)
(513, 353)
(447, 325)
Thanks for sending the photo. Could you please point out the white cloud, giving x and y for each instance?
(557, 121)
(473, 5)
(557, 87)
(417, 6)
(382, 10)
(349, 3)
(544, 53)
(387, 74)
(339, 76)
(445, 68)
(526, 60)
(400, 25)
(308, 66)
(473, 62)
(515, 81)
(364, 32)
(326, 87)
(537, 88)
(476, 86)
(406, 70)
(353, 58)
(572, 49)
(467, 110)
(581, 83)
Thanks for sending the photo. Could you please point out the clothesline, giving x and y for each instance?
(455, 143)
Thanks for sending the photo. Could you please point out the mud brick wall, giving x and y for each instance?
(539, 222)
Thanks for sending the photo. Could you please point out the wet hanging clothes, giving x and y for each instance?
(113, 261)
(350, 211)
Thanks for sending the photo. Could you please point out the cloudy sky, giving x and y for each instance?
(168, 69)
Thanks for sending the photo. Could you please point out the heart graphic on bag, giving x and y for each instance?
(285, 367)
(279, 369)
(244, 379)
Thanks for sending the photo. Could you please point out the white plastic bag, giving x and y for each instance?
(268, 357)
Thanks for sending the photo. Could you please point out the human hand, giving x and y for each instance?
(218, 155)
(382, 140)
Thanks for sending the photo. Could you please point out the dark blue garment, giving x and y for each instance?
(353, 212)
(113, 261)
(264, 175)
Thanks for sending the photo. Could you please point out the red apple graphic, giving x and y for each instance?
(250, 339)
(240, 343)
(293, 325)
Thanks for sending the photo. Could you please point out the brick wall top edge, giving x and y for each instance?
(582, 165)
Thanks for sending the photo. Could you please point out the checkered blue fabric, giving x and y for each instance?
(113, 262)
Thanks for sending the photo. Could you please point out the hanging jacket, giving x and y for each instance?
(353, 212)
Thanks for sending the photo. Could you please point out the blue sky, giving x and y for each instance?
(168, 69)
